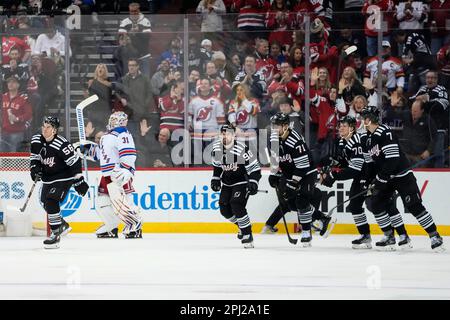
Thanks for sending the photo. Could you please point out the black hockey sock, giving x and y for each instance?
(54, 220)
(383, 221)
(426, 221)
(275, 217)
(361, 223)
(397, 223)
(305, 218)
(244, 224)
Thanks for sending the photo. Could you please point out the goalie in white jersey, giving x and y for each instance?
(117, 155)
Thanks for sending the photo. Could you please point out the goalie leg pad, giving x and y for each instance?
(122, 205)
(106, 213)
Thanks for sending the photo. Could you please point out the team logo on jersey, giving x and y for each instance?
(286, 158)
(71, 203)
(204, 114)
(230, 167)
(374, 151)
(50, 162)
(242, 117)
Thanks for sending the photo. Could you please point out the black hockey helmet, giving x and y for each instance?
(227, 128)
(351, 121)
(372, 113)
(280, 119)
(53, 121)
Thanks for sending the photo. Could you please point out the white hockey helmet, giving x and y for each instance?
(117, 119)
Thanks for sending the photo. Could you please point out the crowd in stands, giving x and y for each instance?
(246, 61)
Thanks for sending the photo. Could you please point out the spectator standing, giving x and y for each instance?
(206, 113)
(171, 108)
(390, 66)
(226, 69)
(349, 87)
(419, 134)
(102, 87)
(439, 15)
(253, 78)
(372, 10)
(161, 80)
(14, 68)
(411, 15)
(211, 11)
(436, 104)
(16, 116)
(137, 88)
(138, 27)
(174, 54)
(124, 52)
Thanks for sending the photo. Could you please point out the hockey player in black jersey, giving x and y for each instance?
(295, 165)
(236, 175)
(324, 224)
(352, 163)
(393, 174)
(53, 160)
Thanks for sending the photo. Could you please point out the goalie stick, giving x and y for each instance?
(80, 123)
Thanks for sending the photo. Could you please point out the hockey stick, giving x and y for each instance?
(417, 164)
(291, 240)
(29, 196)
(80, 122)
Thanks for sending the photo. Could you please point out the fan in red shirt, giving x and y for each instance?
(16, 116)
(14, 42)
(277, 19)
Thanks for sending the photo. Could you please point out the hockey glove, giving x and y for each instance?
(81, 187)
(36, 173)
(252, 188)
(378, 185)
(274, 181)
(215, 185)
(329, 180)
(121, 176)
(293, 185)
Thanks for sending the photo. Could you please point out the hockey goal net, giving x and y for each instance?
(15, 184)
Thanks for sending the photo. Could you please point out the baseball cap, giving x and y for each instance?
(385, 43)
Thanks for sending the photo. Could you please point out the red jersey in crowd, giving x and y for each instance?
(252, 13)
(171, 113)
(13, 42)
(19, 107)
(372, 12)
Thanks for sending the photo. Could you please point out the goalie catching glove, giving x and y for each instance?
(81, 187)
(121, 176)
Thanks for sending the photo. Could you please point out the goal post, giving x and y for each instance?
(15, 183)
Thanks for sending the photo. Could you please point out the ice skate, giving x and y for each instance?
(52, 242)
(327, 226)
(66, 228)
(134, 234)
(363, 242)
(437, 243)
(404, 242)
(269, 230)
(306, 238)
(108, 234)
(247, 241)
(387, 243)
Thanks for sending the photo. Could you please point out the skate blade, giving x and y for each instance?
(65, 232)
(387, 248)
(439, 249)
(330, 227)
(51, 246)
(405, 247)
(306, 244)
(361, 246)
(248, 245)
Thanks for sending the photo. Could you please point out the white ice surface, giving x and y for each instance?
(215, 266)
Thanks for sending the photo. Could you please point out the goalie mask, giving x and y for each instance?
(117, 119)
